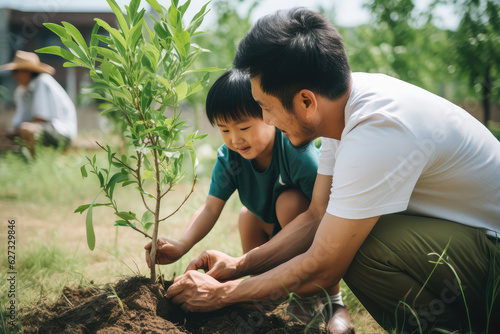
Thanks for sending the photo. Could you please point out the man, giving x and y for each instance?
(387, 147)
(44, 109)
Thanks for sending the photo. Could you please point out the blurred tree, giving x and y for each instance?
(477, 47)
(230, 29)
(402, 43)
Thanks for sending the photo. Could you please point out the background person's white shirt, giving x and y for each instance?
(46, 99)
(404, 148)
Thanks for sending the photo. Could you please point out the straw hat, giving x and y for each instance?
(28, 61)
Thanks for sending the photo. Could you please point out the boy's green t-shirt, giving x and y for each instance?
(289, 168)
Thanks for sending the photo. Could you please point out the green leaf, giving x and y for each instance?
(135, 34)
(58, 51)
(155, 5)
(84, 171)
(147, 226)
(89, 225)
(132, 10)
(101, 179)
(192, 153)
(197, 19)
(146, 97)
(206, 69)
(122, 22)
(76, 50)
(116, 178)
(57, 29)
(115, 33)
(147, 174)
(174, 16)
(84, 207)
(184, 7)
(147, 216)
(94, 41)
(111, 54)
(75, 64)
(181, 90)
(126, 183)
(90, 229)
(121, 223)
(75, 33)
(126, 215)
(183, 42)
(200, 137)
(161, 31)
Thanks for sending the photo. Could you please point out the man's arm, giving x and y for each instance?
(295, 238)
(335, 244)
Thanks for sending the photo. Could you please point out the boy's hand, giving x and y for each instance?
(216, 264)
(167, 251)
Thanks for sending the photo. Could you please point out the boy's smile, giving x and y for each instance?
(252, 138)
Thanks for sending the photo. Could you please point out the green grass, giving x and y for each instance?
(52, 179)
(43, 269)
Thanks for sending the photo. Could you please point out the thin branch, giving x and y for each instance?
(185, 199)
(142, 232)
(166, 191)
(115, 158)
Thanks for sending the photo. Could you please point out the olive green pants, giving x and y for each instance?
(396, 278)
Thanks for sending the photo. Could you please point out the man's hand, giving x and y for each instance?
(168, 251)
(196, 292)
(216, 264)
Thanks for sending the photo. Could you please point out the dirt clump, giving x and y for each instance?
(133, 305)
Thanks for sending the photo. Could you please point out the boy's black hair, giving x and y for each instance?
(230, 98)
(292, 50)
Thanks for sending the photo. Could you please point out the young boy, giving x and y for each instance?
(274, 180)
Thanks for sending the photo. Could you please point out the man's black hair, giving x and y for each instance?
(230, 98)
(292, 50)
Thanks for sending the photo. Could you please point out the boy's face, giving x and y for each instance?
(250, 137)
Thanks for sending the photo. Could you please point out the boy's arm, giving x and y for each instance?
(199, 225)
(202, 221)
(294, 239)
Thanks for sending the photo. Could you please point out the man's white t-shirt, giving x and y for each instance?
(405, 149)
(46, 99)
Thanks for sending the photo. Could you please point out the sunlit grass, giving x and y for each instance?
(43, 269)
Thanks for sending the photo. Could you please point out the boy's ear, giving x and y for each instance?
(305, 103)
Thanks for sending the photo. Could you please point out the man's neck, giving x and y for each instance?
(332, 116)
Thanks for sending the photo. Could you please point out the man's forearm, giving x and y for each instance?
(294, 239)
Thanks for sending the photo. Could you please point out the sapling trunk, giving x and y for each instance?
(154, 240)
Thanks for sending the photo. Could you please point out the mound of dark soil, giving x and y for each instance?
(133, 305)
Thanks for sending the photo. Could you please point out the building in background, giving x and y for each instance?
(24, 30)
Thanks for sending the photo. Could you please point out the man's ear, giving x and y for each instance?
(305, 103)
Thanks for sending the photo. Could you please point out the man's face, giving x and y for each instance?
(22, 77)
(293, 125)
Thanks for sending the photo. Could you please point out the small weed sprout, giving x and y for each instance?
(140, 70)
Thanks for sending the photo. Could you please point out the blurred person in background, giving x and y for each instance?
(45, 112)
